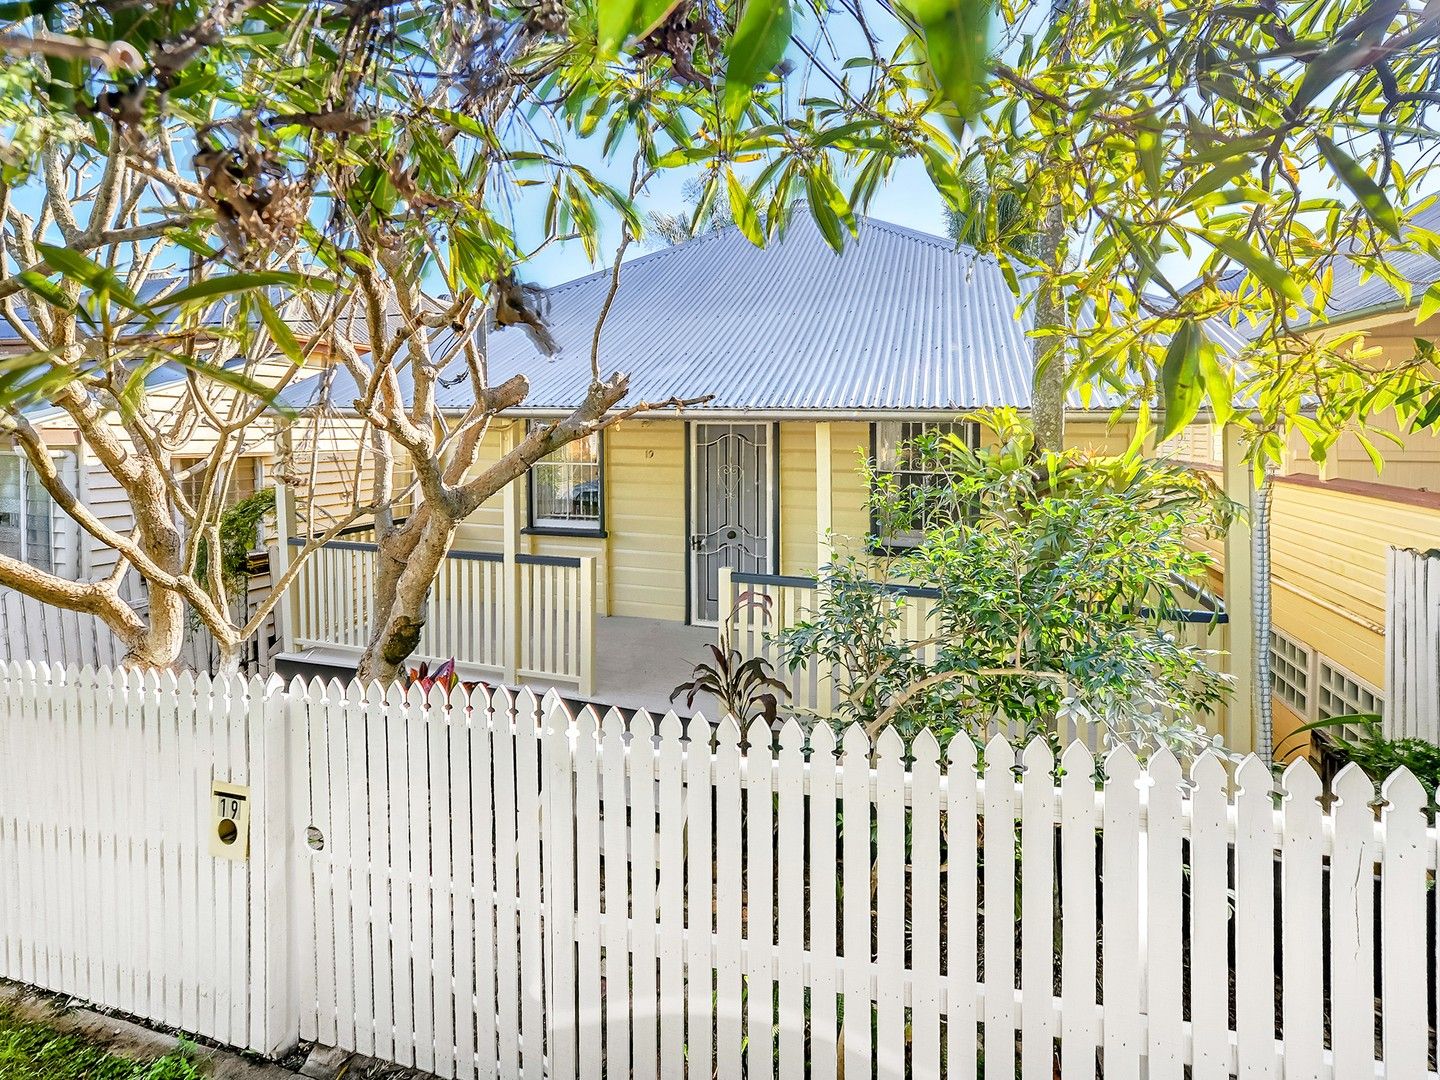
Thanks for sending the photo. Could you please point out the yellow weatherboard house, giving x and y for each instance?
(626, 549)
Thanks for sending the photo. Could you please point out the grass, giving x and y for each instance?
(36, 1051)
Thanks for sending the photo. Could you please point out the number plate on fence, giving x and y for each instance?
(230, 824)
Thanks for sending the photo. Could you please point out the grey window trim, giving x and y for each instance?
(594, 529)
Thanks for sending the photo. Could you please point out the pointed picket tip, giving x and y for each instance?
(354, 692)
(374, 694)
(962, 752)
(759, 738)
(1300, 781)
(1163, 767)
(613, 726)
(552, 696)
(1403, 792)
(587, 723)
(1254, 777)
(1208, 771)
(1077, 760)
(525, 703)
(642, 727)
(415, 696)
(999, 753)
(727, 732)
(792, 737)
(672, 729)
(151, 681)
(925, 748)
(890, 744)
(1120, 761)
(558, 713)
(1037, 758)
(855, 741)
(699, 733)
(1353, 786)
(87, 674)
(502, 699)
(822, 739)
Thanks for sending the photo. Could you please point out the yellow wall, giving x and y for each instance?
(1328, 550)
(641, 562)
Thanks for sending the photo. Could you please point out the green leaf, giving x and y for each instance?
(1258, 263)
(280, 332)
(52, 294)
(757, 46)
(957, 42)
(1429, 303)
(651, 13)
(1180, 380)
(228, 284)
(1215, 179)
(615, 21)
(1353, 175)
(100, 280)
(742, 209)
(1219, 383)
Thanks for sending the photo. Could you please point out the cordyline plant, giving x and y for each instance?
(1053, 581)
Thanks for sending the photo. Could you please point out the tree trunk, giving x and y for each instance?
(410, 560)
(1047, 402)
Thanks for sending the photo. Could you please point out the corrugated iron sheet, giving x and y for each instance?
(900, 321)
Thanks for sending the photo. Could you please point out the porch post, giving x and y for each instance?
(287, 609)
(1239, 595)
(824, 543)
(510, 571)
(824, 495)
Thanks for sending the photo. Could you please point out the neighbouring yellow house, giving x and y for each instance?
(1338, 529)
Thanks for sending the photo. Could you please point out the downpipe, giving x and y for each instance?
(1261, 497)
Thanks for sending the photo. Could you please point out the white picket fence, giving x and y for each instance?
(485, 887)
(1412, 645)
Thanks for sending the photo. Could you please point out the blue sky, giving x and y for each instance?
(908, 198)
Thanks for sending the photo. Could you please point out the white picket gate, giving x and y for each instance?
(485, 888)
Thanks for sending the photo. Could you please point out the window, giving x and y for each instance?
(26, 514)
(244, 480)
(895, 454)
(565, 488)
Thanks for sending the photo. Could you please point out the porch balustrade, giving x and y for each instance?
(551, 636)
(754, 608)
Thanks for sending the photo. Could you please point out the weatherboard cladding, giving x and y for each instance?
(900, 321)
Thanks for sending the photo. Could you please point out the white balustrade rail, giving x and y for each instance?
(465, 615)
(478, 886)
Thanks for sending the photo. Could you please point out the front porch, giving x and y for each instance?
(526, 620)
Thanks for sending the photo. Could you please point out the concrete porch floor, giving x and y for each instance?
(638, 662)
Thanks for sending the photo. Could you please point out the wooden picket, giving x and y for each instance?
(486, 886)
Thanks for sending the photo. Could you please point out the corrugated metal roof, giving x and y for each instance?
(1351, 292)
(900, 321)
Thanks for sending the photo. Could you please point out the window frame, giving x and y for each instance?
(26, 469)
(898, 545)
(257, 474)
(548, 526)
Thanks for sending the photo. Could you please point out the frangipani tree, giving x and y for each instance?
(353, 156)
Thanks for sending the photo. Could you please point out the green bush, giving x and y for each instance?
(1056, 576)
